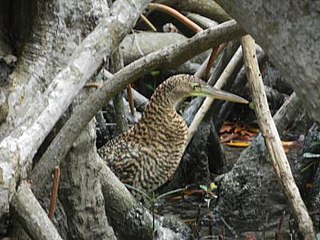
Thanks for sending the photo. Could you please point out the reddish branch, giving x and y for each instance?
(54, 192)
(177, 15)
(213, 56)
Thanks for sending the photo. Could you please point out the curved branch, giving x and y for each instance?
(174, 13)
(18, 148)
(175, 55)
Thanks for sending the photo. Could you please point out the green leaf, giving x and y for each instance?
(204, 187)
(251, 105)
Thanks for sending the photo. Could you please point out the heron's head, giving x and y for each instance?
(177, 88)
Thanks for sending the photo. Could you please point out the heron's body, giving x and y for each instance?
(147, 155)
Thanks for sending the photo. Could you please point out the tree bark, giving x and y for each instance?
(39, 101)
(129, 218)
(32, 217)
(94, 103)
(80, 190)
(118, 105)
(272, 140)
(288, 33)
(250, 197)
(140, 44)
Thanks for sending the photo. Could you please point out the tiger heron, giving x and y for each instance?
(148, 154)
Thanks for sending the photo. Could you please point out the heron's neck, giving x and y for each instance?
(161, 120)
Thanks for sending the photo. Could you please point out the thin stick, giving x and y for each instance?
(174, 13)
(148, 23)
(236, 59)
(54, 192)
(287, 112)
(130, 99)
(272, 140)
(213, 56)
(93, 85)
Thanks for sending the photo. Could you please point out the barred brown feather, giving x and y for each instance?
(147, 155)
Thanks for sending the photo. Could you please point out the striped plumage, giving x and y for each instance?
(147, 155)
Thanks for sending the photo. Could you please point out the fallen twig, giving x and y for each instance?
(148, 23)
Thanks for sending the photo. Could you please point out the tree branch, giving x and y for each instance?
(287, 112)
(31, 215)
(174, 13)
(233, 64)
(273, 141)
(206, 8)
(130, 219)
(290, 45)
(175, 55)
(118, 106)
(80, 190)
(17, 150)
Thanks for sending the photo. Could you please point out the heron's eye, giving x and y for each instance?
(196, 87)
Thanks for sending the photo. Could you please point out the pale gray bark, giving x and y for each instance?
(29, 121)
(250, 197)
(130, 219)
(140, 44)
(88, 109)
(221, 111)
(233, 66)
(80, 190)
(118, 105)
(272, 139)
(287, 112)
(288, 31)
(191, 110)
(32, 217)
(201, 20)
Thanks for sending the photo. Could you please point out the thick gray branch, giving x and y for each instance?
(130, 219)
(140, 44)
(287, 112)
(175, 54)
(31, 215)
(118, 105)
(17, 151)
(80, 190)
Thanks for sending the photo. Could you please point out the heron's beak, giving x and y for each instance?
(208, 91)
